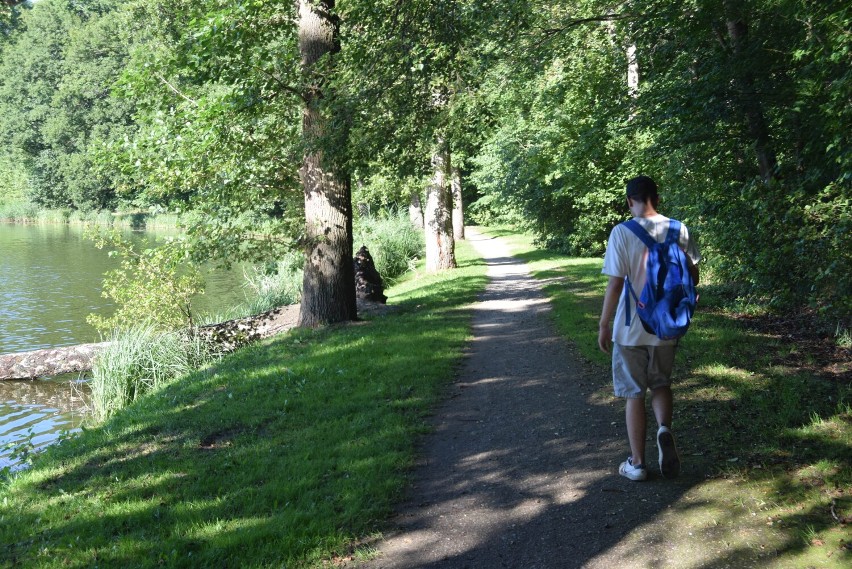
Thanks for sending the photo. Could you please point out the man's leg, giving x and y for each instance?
(669, 458)
(661, 403)
(636, 426)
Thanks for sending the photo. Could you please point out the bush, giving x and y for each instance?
(394, 243)
(18, 211)
(154, 285)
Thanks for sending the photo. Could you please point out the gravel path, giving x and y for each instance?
(520, 471)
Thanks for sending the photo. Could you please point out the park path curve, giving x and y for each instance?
(520, 470)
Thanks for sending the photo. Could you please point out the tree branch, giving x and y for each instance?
(284, 86)
(175, 89)
(548, 32)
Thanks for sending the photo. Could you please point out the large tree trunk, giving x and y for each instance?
(458, 203)
(440, 246)
(749, 101)
(415, 210)
(328, 293)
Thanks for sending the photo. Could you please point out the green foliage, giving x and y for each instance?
(55, 99)
(140, 359)
(14, 181)
(394, 243)
(153, 286)
(567, 134)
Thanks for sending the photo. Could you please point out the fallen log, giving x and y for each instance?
(49, 362)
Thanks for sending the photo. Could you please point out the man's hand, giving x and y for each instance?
(613, 292)
(605, 338)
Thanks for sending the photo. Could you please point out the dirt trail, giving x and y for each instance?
(520, 471)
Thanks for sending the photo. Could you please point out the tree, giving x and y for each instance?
(55, 96)
(328, 293)
(458, 202)
(440, 246)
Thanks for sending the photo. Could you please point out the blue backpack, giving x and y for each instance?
(668, 299)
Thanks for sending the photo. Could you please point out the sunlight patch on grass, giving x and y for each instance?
(719, 371)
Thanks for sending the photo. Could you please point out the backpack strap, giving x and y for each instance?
(641, 233)
(649, 242)
(628, 292)
(673, 235)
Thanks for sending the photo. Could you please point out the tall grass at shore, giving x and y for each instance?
(139, 360)
(278, 285)
(25, 212)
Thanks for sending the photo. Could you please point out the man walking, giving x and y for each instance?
(640, 360)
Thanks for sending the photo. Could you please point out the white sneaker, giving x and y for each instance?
(669, 457)
(632, 472)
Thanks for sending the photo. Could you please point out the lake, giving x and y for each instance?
(50, 280)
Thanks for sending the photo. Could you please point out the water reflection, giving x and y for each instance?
(37, 412)
(50, 280)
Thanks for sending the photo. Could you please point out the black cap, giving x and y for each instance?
(641, 187)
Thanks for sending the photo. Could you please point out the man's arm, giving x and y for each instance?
(613, 293)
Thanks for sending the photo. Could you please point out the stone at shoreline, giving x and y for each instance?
(49, 362)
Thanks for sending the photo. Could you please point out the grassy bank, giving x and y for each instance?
(770, 426)
(280, 455)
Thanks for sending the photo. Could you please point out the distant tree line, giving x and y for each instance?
(264, 121)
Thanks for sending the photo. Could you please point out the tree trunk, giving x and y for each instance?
(415, 210)
(458, 204)
(328, 292)
(751, 106)
(440, 246)
(632, 72)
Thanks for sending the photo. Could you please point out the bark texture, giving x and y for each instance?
(328, 293)
(749, 100)
(440, 245)
(458, 204)
(415, 210)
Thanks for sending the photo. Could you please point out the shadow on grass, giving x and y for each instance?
(278, 454)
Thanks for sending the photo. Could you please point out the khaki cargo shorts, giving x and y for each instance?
(635, 369)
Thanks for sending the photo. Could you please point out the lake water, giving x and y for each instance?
(50, 280)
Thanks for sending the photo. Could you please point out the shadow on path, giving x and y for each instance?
(521, 468)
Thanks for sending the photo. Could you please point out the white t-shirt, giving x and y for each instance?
(626, 256)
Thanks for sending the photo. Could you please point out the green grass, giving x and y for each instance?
(280, 455)
(785, 435)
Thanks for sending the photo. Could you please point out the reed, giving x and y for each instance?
(139, 360)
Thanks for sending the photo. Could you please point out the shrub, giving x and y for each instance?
(394, 243)
(154, 285)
